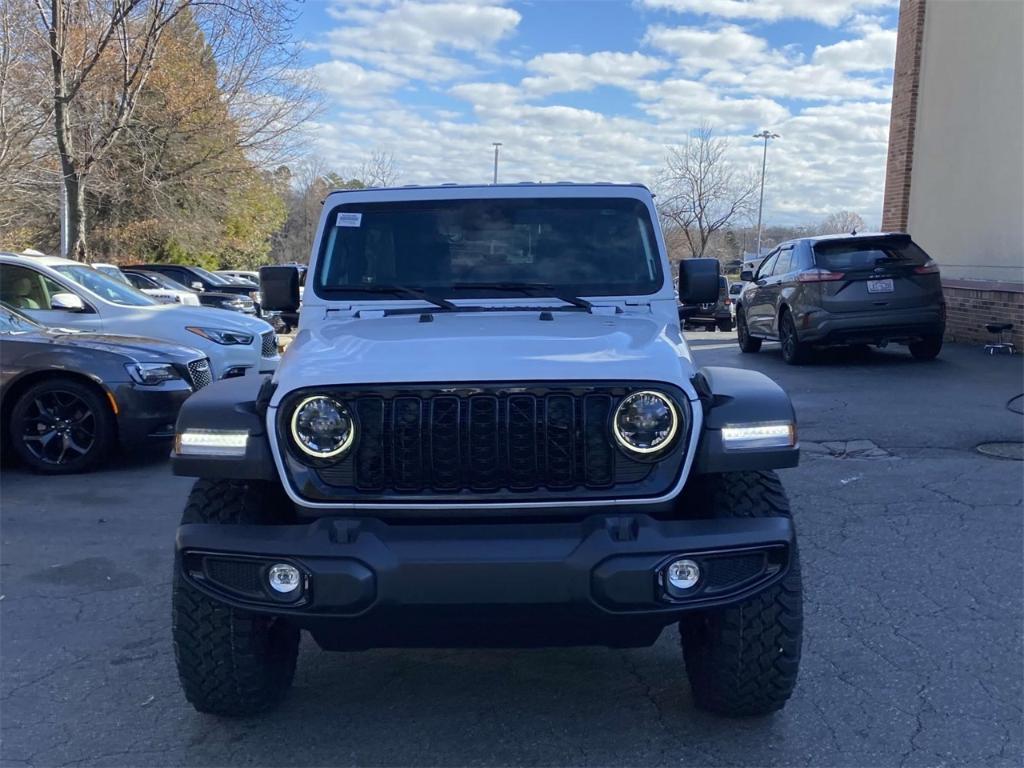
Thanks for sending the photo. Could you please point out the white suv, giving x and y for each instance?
(69, 294)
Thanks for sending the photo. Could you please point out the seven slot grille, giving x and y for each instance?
(269, 341)
(199, 372)
(481, 442)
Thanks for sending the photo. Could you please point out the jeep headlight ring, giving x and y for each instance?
(646, 422)
(322, 427)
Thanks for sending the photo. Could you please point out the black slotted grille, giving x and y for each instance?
(487, 442)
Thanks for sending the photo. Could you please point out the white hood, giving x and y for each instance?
(486, 346)
(210, 317)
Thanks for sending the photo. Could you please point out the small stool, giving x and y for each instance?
(1004, 346)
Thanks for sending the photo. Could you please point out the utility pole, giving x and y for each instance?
(496, 145)
(765, 134)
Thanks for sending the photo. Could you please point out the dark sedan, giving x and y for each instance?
(68, 399)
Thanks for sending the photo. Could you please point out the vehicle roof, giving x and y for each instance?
(34, 259)
(844, 236)
(519, 185)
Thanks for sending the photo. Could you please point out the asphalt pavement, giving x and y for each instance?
(912, 554)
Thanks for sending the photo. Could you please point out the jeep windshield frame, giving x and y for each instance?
(490, 248)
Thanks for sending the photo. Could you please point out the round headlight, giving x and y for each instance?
(645, 422)
(322, 427)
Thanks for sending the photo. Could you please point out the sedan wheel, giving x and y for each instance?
(793, 351)
(60, 427)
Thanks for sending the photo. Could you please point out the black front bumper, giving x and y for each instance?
(147, 414)
(598, 581)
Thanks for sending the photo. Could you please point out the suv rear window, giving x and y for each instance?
(586, 246)
(866, 254)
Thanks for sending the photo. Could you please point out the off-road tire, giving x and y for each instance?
(725, 326)
(927, 348)
(747, 342)
(742, 660)
(794, 351)
(230, 662)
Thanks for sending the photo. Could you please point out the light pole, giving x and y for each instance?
(765, 134)
(496, 145)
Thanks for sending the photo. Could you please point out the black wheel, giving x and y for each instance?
(61, 426)
(743, 660)
(230, 662)
(725, 326)
(794, 351)
(927, 348)
(747, 342)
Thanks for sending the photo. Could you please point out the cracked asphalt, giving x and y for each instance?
(912, 556)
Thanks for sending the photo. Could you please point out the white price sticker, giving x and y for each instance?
(350, 219)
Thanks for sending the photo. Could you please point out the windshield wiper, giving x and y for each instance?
(535, 290)
(397, 290)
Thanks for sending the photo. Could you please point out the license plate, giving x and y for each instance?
(880, 286)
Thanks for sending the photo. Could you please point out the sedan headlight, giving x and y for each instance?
(222, 336)
(322, 427)
(645, 422)
(151, 374)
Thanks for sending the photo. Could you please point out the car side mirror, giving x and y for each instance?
(698, 281)
(196, 286)
(747, 275)
(67, 302)
(279, 287)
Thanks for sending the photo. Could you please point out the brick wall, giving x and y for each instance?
(903, 117)
(970, 307)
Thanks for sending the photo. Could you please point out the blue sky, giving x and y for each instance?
(596, 90)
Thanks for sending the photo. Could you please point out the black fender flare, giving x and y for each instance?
(229, 404)
(735, 396)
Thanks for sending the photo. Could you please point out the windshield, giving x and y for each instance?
(866, 254)
(12, 321)
(166, 282)
(480, 248)
(210, 277)
(111, 271)
(105, 287)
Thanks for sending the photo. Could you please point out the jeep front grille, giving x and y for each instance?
(200, 374)
(484, 442)
(269, 341)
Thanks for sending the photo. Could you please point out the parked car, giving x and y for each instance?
(241, 276)
(490, 432)
(157, 283)
(843, 289)
(710, 315)
(161, 288)
(67, 399)
(59, 292)
(203, 281)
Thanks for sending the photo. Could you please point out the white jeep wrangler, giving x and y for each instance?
(488, 431)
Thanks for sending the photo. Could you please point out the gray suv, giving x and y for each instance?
(842, 290)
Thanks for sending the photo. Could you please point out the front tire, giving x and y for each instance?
(927, 348)
(748, 343)
(230, 662)
(743, 660)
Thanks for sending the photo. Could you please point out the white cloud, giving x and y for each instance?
(874, 51)
(827, 12)
(566, 72)
(352, 85)
(698, 48)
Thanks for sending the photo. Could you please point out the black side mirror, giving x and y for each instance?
(279, 287)
(747, 275)
(698, 281)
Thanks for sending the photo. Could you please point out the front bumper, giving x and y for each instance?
(145, 414)
(872, 327)
(596, 581)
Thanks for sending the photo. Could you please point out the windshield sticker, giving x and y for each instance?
(350, 219)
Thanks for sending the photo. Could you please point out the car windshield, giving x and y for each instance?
(166, 282)
(12, 321)
(853, 255)
(105, 287)
(210, 277)
(480, 248)
(111, 271)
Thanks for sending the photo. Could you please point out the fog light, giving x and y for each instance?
(284, 578)
(681, 576)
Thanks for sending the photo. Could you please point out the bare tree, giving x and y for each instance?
(702, 190)
(841, 222)
(102, 53)
(378, 170)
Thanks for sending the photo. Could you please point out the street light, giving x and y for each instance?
(765, 134)
(496, 145)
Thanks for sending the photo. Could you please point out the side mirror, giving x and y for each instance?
(279, 287)
(698, 281)
(68, 302)
(747, 275)
(195, 285)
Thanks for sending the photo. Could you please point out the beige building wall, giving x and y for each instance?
(966, 203)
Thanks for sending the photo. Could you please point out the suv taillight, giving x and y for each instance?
(818, 276)
(928, 268)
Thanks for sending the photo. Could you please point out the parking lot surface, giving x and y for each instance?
(912, 553)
